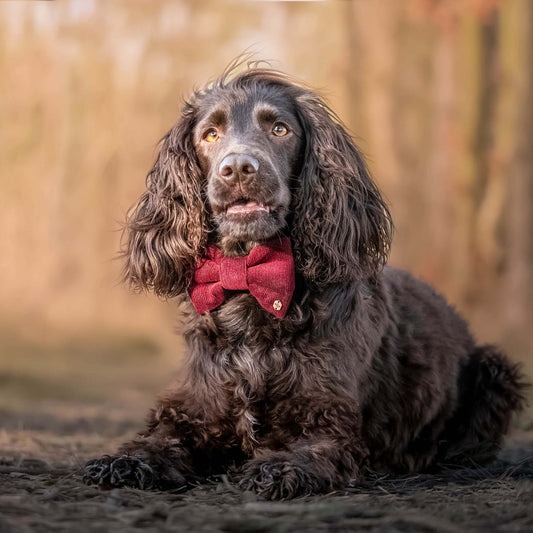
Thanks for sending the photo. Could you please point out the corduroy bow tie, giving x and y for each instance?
(267, 273)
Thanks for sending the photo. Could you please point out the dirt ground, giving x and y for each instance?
(62, 405)
(41, 490)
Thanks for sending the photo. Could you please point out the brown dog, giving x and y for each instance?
(302, 368)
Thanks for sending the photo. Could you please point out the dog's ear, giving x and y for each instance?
(342, 227)
(166, 231)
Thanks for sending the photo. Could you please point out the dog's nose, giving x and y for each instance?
(238, 166)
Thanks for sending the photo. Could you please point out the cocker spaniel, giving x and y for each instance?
(308, 361)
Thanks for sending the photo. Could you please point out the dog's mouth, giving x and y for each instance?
(243, 207)
(244, 218)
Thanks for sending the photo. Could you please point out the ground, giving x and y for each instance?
(51, 425)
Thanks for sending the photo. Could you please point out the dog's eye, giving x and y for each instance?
(280, 129)
(211, 135)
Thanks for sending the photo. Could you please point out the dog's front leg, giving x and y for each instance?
(160, 458)
(326, 456)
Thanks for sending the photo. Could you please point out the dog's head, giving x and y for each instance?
(249, 141)
(253, 156)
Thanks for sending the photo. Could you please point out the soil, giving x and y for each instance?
(41, 490)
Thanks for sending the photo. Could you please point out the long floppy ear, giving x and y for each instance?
(167, 230)
(342, 227)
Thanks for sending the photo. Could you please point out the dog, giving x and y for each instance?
(308, 360)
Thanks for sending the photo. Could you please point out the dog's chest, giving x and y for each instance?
(251, 359)
(248, 376)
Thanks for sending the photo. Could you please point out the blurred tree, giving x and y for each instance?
(437, 93)
(517, 146)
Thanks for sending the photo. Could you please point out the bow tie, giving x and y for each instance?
(267, 273)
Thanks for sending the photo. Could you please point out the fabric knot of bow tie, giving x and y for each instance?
(267, 272)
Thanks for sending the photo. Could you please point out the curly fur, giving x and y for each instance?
(169, 225)
(370, 367)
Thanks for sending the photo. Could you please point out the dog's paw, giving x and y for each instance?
(279, 480)
(119, 471)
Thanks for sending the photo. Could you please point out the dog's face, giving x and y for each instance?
(248, 146)
(253, 156)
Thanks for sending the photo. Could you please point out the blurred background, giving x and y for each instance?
(437, 93)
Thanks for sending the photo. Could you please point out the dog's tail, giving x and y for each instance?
(491, 390)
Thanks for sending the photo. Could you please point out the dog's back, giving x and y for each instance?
(424, 419)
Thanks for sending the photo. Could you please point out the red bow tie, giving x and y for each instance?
(267, 272)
